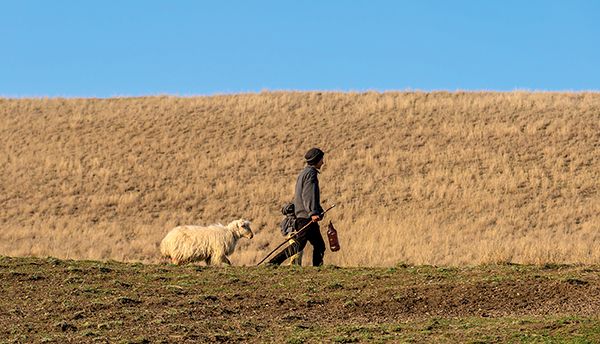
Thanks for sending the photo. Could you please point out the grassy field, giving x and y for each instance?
(422, 178)
(65, 301)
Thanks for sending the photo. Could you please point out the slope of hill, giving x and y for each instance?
(422, 178)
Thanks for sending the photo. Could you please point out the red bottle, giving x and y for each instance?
(334, 244)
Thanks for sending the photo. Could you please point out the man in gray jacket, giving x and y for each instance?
(307, 203)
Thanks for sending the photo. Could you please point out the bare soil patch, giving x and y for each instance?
(51, 300)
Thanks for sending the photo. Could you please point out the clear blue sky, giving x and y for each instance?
(131, 48)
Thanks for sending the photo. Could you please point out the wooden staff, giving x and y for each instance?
(292, 236)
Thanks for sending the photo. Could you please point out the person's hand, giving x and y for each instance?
(315, 218)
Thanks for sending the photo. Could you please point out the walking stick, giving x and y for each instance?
(292, 236)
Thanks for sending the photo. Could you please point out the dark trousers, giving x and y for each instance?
(311, 234)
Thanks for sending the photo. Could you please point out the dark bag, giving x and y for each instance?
(288, 225)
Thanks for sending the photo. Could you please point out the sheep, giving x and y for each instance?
(212, 244)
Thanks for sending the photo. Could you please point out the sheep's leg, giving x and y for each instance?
(225, 260)
(221, 261)
(174, 261)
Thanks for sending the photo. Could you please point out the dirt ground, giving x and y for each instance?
(57, 301)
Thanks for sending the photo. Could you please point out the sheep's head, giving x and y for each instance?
(242, 227)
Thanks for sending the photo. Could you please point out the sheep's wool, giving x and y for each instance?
(212, 244)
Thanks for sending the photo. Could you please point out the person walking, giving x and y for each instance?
(307, 204)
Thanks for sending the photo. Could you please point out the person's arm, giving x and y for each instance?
(312, 198)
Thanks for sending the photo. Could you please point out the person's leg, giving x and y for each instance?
(315, 238)
(293, 247)
(296, 259)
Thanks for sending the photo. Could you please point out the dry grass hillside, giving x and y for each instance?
(421, 178)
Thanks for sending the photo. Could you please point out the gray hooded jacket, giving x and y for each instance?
(307, 199)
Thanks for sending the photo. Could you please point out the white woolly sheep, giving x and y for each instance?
(212, 244)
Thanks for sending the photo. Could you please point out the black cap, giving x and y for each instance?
(313, 156)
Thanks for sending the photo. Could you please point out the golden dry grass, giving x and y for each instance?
(421, 178)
